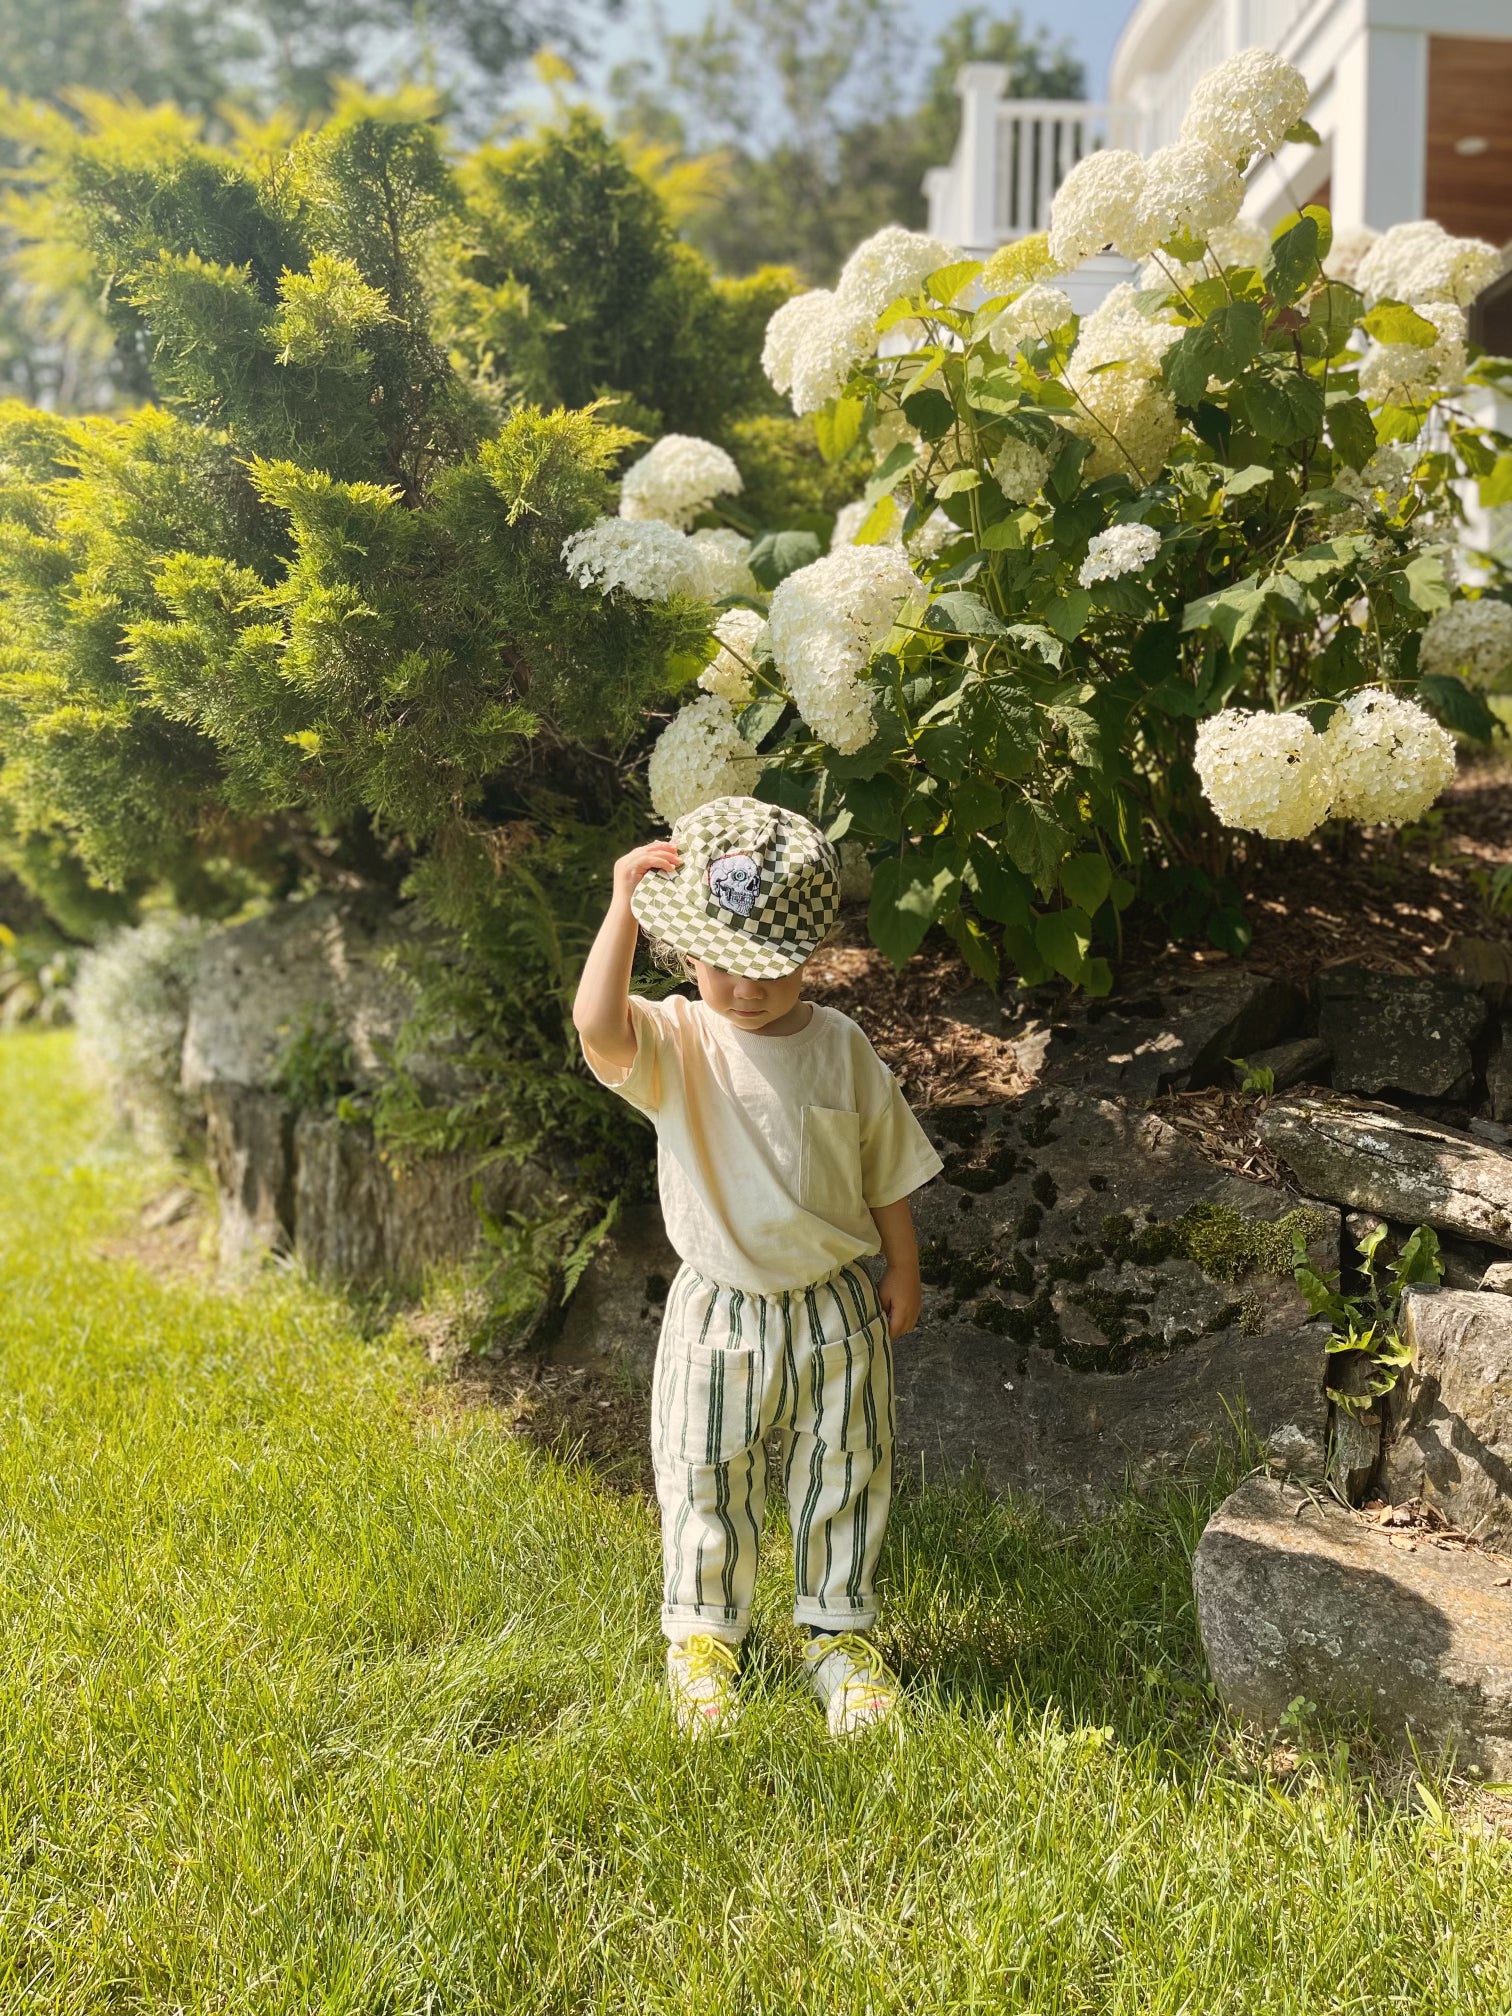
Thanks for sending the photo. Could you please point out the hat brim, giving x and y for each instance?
(672, 908)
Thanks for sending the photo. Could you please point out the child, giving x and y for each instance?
(786, 1155)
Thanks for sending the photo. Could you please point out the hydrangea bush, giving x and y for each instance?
(1122, 588)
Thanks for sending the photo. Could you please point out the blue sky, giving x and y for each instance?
(1091, 26)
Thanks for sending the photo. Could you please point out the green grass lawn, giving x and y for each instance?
(321, 1694)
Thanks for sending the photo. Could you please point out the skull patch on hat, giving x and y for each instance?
(735, 880)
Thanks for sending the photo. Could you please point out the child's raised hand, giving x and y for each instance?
(657, 857)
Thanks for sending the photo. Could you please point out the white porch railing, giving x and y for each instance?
(1012, 156)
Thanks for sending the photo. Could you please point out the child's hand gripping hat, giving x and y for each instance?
(755, 893)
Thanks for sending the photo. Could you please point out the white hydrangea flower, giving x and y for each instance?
(1242, 243)
(811, 344)
(724, 558)
(1098, 204)
(1188, 189)
(1128, 417)
(1264, 773)
(700, 755)
(1412, 374)
(891, 263)
(855, 872)
(1246, 106)
(741, 634)
(1122, 549)
(1021, 469)
(1385, 483)
(1119, 331)
(676, 479)
(826, 621)
(1470, 641)
(929, 540)
(890, 430)
(1422, 262)
(848, 522)
(1388, 758)
(1034, 317)
(1348, 250)
(641, 556)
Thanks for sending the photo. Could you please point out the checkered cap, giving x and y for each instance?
(755, 893)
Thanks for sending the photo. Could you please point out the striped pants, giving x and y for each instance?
(814, 1362)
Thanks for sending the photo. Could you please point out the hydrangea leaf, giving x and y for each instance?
(1395, 322)
(1063, 939)
(930, 413)
(1496, 489)
(837, 428)
(1296, 250)
(777, 554)
(1280, 404)
(907, 897)
(964, 614)
(1036, 841)
(1086, 879)
(1351, 429)
(1219, 348)
(974, 946)
(1457, 705)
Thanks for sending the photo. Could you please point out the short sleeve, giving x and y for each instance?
(641, 1085)
(897, 1156)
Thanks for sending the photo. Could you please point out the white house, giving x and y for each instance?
(1412, 100)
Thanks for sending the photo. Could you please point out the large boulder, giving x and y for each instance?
(1398, 1032)
(257, 984)
(1298, 1596)
(1449, 1434)
(1409, 1169)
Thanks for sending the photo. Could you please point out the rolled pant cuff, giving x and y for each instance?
(680, 1625)
(834, 1618)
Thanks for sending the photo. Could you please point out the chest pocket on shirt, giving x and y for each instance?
(829, 1177)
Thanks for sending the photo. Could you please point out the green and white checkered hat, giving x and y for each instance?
(755, 893)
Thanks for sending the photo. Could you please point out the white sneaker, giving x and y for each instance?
(701, 1680)
(852, 1679)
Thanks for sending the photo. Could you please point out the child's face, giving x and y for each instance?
(749, 1004)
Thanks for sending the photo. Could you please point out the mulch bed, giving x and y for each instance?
(1366, 898)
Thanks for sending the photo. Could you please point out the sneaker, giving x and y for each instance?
(853, 1681)
(701, 1681)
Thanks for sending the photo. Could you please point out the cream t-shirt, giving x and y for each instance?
(771, 1148)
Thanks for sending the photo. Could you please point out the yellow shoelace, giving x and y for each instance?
(872, 1670)
(708, 1658)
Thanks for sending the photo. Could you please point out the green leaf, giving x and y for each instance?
(1395, 322)
(1254, 476)
(1042, 643)
(1496, 488)
(946, 282)
(958, 482)
(906, 899)
(1280, 404)
(1219, 348)
(1087, 880)
(1457, 705)
(960, 611)
(1327, 560)
(1063, 939)
(945, 750)
(975, 806)
(837, 428)
(1067, 616)
(1335, 309)
(758, 720)
(1303, 135)
(974, 946)
(1035, 840)
(1420, 584)
(1419, 1260)
(930, 413)
(999, 890)
(775, 555)
(1351, 430)
(878, 522)
(875, 804)
(890, 470)
(1232, 612)
(1295, 255)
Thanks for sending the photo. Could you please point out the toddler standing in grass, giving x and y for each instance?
(786, 1156)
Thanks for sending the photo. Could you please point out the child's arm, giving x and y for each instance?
(601, 1006)
(901, 1292)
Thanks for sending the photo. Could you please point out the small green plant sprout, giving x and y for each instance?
(1494, 887)
(1256, 1081)
(1369, 1322)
